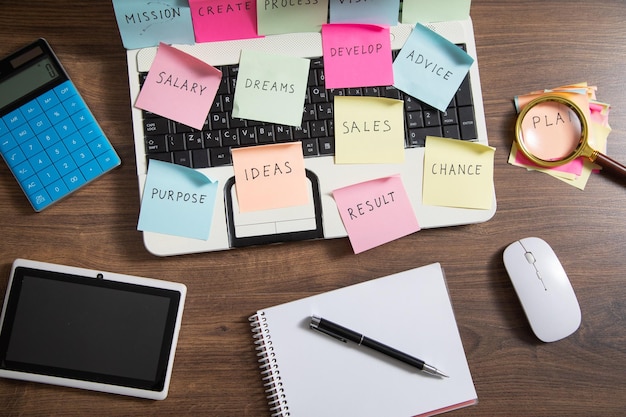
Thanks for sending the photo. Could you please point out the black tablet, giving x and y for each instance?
(90, 329)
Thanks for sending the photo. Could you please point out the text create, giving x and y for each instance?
(213, 10)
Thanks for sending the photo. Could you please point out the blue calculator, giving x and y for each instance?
(48, 137)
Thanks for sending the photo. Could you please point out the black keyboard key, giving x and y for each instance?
(449, 117)
(230, 137)
(175, 142)
(431, 118)
(219, 156)
(164, 157)
(414, 119)
(464, 94)
(265, 134)
(326, 145)
(219, 121)
(182, 158)
(467, 123)
(318, 128)
(159, 126)
(451, 131)
(283, 133)
(309, 147)
(247, 136)
(200, 158)
(212, 139)
(417, 137)
(156, 144)
(193, 140)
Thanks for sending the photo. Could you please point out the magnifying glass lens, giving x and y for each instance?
(551, 131)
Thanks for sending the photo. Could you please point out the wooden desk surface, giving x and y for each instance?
(522, 46)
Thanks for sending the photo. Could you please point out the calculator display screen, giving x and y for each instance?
(27, 80)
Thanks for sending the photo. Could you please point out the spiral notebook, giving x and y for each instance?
(306, 373)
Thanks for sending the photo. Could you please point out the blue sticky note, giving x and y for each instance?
(144, 23)
(177, 201)
(375, 12)
(430, 68)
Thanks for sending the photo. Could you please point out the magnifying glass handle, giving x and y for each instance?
(609, 165)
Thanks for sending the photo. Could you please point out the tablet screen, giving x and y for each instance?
(88, 329)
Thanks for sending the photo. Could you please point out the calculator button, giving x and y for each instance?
(73, 104)
(7, 142)
(90, 132)
(65, 90)
(14, 119)
(99, 145)
(65, 165)
(48, 175)
(31, 109)
(48, 100)
(40, 161)
(3, 128)
(74, 180)
(82, 155)
(49, 137)
(65, 128)
(31, 148)
(81, 118)
(56, 114)
(23, 171)
(108, 160)
(56, 152)
(39, 123)
(22, 133)
(14, 157)
(57, 189)
(40, 200)
(91, 170)
(32, 185)
(73, 142)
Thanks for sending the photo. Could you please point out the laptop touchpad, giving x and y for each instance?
(276, 225)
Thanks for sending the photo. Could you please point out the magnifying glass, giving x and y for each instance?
(552, 130)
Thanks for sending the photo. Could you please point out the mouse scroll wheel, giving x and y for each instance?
(529, 257)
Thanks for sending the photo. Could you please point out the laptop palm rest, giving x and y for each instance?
(276, 225)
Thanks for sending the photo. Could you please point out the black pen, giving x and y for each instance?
(344, 334)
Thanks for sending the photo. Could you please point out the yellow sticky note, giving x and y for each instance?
(369, 130)
(270, 176)
(458, 174)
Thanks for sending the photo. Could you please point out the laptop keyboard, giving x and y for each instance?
(170, 141)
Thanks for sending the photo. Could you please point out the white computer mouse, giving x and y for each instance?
(543, 288)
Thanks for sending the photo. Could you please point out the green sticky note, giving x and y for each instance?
(276, 16)
(271, 88)
(425, 11)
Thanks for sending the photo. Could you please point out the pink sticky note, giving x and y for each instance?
(179, 87)
(223, 20)
(573, 167)
(356, 55)
(375, 212)
(270, 176)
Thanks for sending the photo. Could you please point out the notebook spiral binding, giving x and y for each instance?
(270, 375)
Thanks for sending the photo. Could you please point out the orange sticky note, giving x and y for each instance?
(270, 176)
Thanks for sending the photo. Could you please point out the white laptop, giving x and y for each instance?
(154, 137)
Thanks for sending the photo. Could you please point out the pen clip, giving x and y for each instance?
(315, 321)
